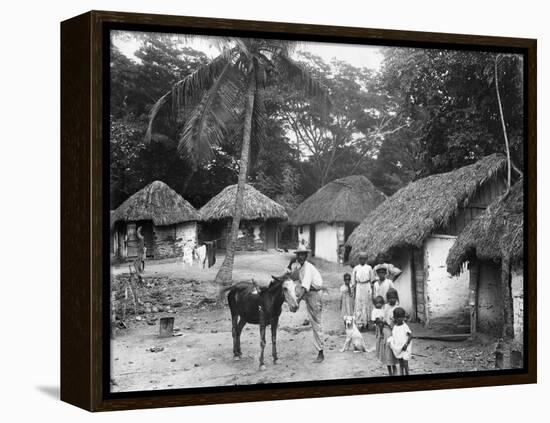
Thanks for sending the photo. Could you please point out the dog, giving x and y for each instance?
(353, 337)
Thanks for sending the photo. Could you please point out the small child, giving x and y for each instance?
(377, 317)
(387, 356)
(400, 340)
(346, 297)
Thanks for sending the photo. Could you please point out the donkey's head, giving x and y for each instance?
(289, 291)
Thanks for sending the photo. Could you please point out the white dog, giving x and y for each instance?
(353, 336)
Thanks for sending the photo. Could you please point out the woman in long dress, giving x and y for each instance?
(361, 281)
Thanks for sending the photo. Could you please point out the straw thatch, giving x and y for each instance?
(159, 203)
(496, 233)
(348, 199)
(256, 206)
(415, 211)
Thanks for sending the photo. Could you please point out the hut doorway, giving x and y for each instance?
(148, 236)
(312, 239)
(270, 234)
(348, 229)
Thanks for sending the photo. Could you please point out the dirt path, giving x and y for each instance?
(202, 356)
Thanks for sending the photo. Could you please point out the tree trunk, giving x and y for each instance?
(508, 327)
(506, 143)
(226, 270)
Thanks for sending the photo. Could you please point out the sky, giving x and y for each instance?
(356, 55)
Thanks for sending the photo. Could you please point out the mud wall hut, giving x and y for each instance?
(168, 222)
(327, 218)
(259, 226)
(415, 229)
(490, 249)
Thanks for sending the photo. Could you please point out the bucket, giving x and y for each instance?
(166, 327)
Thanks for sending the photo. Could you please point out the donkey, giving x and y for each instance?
(259, 306)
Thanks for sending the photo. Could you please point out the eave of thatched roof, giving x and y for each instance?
(415, 211)
(496, 233)
(348, 199)
(256, 206)
(159, 203)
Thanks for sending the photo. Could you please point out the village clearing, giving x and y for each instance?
(202, 355)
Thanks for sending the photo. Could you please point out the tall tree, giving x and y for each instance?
(361, 117)
(230, 89)
(449, 97)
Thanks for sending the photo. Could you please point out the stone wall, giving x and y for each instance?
(164, 241)
(186, 233)
(251, 236)
(168, 240)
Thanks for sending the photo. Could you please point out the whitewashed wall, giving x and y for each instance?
(447, 294)
(326, 242)
(517, 301)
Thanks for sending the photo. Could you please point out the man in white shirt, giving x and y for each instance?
(312, 283)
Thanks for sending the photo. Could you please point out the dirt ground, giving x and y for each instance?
(202, 355)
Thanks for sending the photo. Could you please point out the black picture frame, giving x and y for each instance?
(85, 214)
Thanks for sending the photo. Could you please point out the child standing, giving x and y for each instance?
(346, 297)
(400, 340)
(377, 317)
(386, 354)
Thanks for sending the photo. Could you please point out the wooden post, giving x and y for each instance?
(474, 268)
(508, 314)
(166, 327)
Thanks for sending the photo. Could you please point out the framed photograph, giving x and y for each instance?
(256, 211)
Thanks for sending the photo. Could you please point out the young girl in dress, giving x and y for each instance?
(386, 355)
(400, 340)
(377, 317)
(346, 297)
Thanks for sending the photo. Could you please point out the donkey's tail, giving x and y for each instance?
(224, 289)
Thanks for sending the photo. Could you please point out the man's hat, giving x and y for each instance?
(302, 249)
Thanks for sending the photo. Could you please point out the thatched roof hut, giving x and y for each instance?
(348, 199)
(415, 211)
(256, 206)
(156, 202)
(496, 233)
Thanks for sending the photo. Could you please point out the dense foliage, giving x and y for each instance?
(423, 112)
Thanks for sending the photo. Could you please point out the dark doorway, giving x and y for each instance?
(348, 229)
(270, 234)
(312, 239)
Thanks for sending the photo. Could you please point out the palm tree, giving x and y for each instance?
(229, 89)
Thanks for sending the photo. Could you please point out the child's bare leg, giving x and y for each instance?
(406, 367)
(390, 370)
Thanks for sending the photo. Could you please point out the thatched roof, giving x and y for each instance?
(348, 199)
(415, 211)
(496, 233)
(256, 206)
(159, 203)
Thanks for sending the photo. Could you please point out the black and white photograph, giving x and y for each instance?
(286, 211)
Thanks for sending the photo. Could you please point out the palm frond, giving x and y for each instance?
(185, 92)
(304, 80)
(206, 127)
